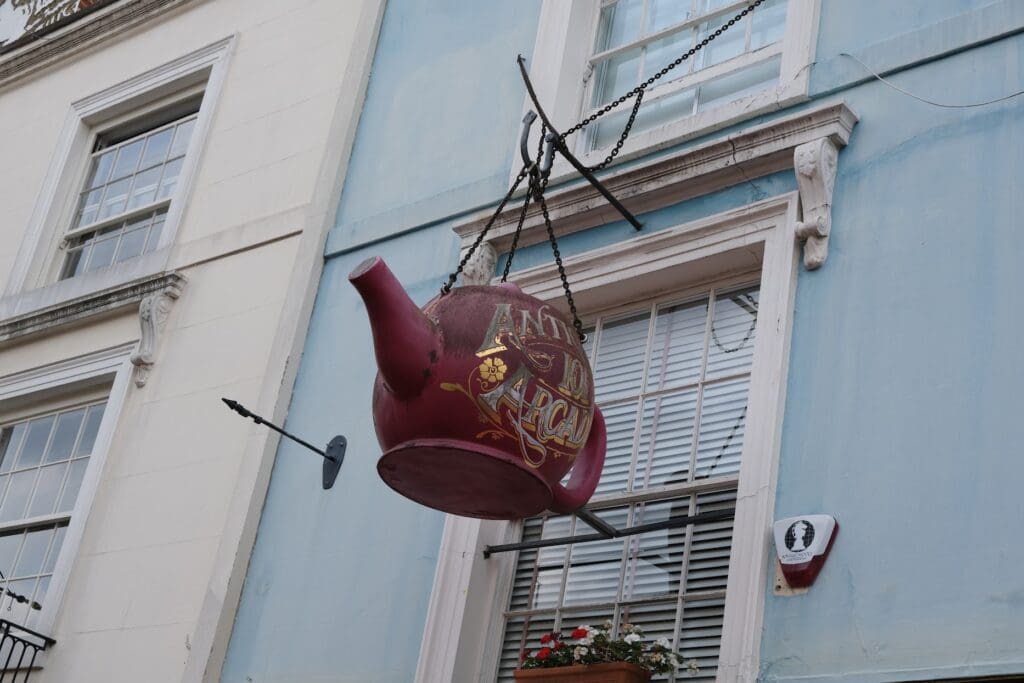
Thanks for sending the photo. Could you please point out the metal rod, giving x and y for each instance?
(245, 412)
(674, 523)
(596, 523)
(563, 149)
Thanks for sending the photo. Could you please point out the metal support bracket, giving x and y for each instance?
(333, 456)
(555, 139)
(604, 531)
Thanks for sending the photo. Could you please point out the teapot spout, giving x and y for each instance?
(406, 342)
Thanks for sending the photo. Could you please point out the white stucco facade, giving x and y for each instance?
(147, 581)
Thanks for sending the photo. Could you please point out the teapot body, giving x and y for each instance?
(484, 403)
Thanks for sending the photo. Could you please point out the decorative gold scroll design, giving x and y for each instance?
(518, 404)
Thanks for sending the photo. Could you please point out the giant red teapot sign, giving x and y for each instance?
(484, 400)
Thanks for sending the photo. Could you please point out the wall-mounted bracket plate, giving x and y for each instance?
(332, 463)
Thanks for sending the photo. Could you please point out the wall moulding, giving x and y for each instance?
(153, 312)
(710, 166)
(88, 306)
(81, 34)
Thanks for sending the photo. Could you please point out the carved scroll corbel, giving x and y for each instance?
(815, 164)
(153, 312)
(480, 268)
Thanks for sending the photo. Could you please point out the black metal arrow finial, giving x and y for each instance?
(333, 456)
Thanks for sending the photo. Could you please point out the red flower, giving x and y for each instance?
(579, 633)
(559, 645)
(546, 638)
(543, 653)
(526, 655)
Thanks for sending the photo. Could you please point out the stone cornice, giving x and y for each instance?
(89, 305)
(109, 22)
(749, 153)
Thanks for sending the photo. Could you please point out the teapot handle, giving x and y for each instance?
(586, 473)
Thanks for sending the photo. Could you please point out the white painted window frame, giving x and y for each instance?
(559, 71)
(40, 255)
(110, 368)
(462, 635)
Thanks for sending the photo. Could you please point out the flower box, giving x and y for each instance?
(612, 672)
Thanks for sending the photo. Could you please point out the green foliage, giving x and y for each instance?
(589, 645)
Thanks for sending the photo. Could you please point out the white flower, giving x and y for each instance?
(579, 653)
(632, 638)
(663, 642)
(585, 641)
(656, 657)
(692, 668)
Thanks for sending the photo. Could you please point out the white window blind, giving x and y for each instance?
(637, 38)
(672, 382)
(42, 464)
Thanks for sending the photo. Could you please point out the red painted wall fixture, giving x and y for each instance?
(484, 400)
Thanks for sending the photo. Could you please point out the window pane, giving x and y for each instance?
(51, 557)
(744, 82)
(182, 135)
(144, 189)
(64, 435)
(127, 159)
(33, 551)
(655, 562)
(615, 76)
(620, 358)
(652, 114)
(620, 422)
(664, 13)
(47, 490)
(154, 232)
(9, 545)
(170, 179)
(92, 426)
(678, 348)
(619, 24)
(731, 347)
(701, 635)
(35, 441)
(723, 415)
(16, 609)
(708, 567)
(70, 495)
(727, 45)
(102, 252)
(156, 148)
(550, 563)
(89, 206)
(593, 574)
(18, 491)
(114, 199)
(769, 24)
(661, 53)
(132, 244)
(522, 584)
(100, 169)
(666, 440)
(10, 440)
(75, 262)
(522, 634)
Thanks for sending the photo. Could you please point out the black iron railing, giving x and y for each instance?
(19, 650)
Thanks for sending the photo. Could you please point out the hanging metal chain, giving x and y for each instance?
(539, 179)
(447, 286)
(558, 262)
(636, 92)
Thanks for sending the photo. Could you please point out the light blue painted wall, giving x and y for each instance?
(903, 385)
(339, 581)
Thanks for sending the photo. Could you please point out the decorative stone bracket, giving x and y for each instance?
(153, 312)
(480, 268)
(815, 164)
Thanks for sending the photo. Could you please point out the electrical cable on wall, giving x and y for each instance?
(925, 100)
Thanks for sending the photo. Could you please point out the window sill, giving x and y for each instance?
(44, 309)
